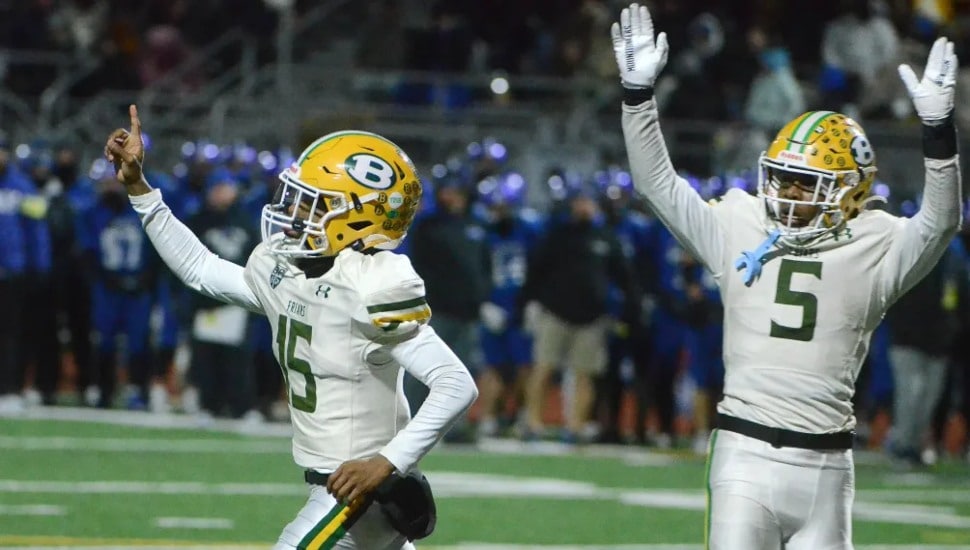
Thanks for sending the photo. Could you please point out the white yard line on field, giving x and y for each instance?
(132, 445)
(166, 421)
(193, 523)
(32, 510)
(634, 456)
(151, 488)
(450, 485)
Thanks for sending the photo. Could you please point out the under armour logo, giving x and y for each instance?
(321, 289)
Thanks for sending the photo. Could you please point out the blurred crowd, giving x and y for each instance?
(757, 61)
(135, 43)
(582, 320)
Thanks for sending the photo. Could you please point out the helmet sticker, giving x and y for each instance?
(791, 156)
(861, 151)
(370, 171)
(394, 201)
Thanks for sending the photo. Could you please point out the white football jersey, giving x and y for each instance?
(342, 340)
(330, 335)
(795, 339)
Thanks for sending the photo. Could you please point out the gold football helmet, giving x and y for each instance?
(347, 189)
(826, 153)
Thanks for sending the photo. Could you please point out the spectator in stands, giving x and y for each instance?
(856, 46)
(691, 89)
(382, 35)
(775, 97)
(80, 25)
(164, 51)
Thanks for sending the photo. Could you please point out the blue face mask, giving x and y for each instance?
(775, 58)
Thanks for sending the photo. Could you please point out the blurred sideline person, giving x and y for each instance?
(565, 304)
(123, 269)
(24, 239)
(449, 250)
(918, 355)
(806, 273)
(222, 366)
(347, 316)
(511, 234)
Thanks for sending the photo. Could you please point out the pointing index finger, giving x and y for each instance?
(135, 121)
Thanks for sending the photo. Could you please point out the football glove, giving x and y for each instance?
(933, 95)
(639, 58)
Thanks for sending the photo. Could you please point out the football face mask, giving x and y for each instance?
(347, 189)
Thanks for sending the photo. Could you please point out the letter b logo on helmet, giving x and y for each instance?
(370, 171)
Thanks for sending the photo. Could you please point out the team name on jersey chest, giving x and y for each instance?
(296, 308)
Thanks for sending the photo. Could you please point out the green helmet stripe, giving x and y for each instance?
(313, 146)
(805, 128)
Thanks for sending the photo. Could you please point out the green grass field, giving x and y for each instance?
(73, 483)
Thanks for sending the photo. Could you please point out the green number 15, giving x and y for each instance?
(805, 300)
(286, 340)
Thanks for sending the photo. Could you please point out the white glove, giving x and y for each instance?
(639, 59)
(933, 96)
(492, 316)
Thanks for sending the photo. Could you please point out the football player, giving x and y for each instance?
(347, 316)
(124, 272)
(805, 273)
(510, 236)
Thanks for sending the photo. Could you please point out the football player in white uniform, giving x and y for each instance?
(347, 316)
(806, 273)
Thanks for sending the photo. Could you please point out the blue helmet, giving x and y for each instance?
(613, 183)
(508, 189)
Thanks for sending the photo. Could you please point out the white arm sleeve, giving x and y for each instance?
(453, 391)
(190, 260)
(918, 243)
(672, 199)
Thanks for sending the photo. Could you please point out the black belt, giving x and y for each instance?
(786, 438)
(314, 477)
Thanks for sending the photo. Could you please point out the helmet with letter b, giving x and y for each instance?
(347, 189)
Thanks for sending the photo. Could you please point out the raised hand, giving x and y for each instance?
(933, 95)
(638, 57)
(126, 151)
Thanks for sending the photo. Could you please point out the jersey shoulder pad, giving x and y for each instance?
(391, 291)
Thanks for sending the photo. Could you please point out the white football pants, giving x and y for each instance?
(766, 498)
(323, 524)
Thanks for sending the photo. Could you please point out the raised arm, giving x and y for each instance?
(678, 206)
(179, 248)
(919, 242)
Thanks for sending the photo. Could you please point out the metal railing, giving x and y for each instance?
(52, 98)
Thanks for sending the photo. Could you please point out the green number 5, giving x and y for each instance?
(805, 300)
(286, 340)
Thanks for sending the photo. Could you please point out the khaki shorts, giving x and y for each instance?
(579, 348)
